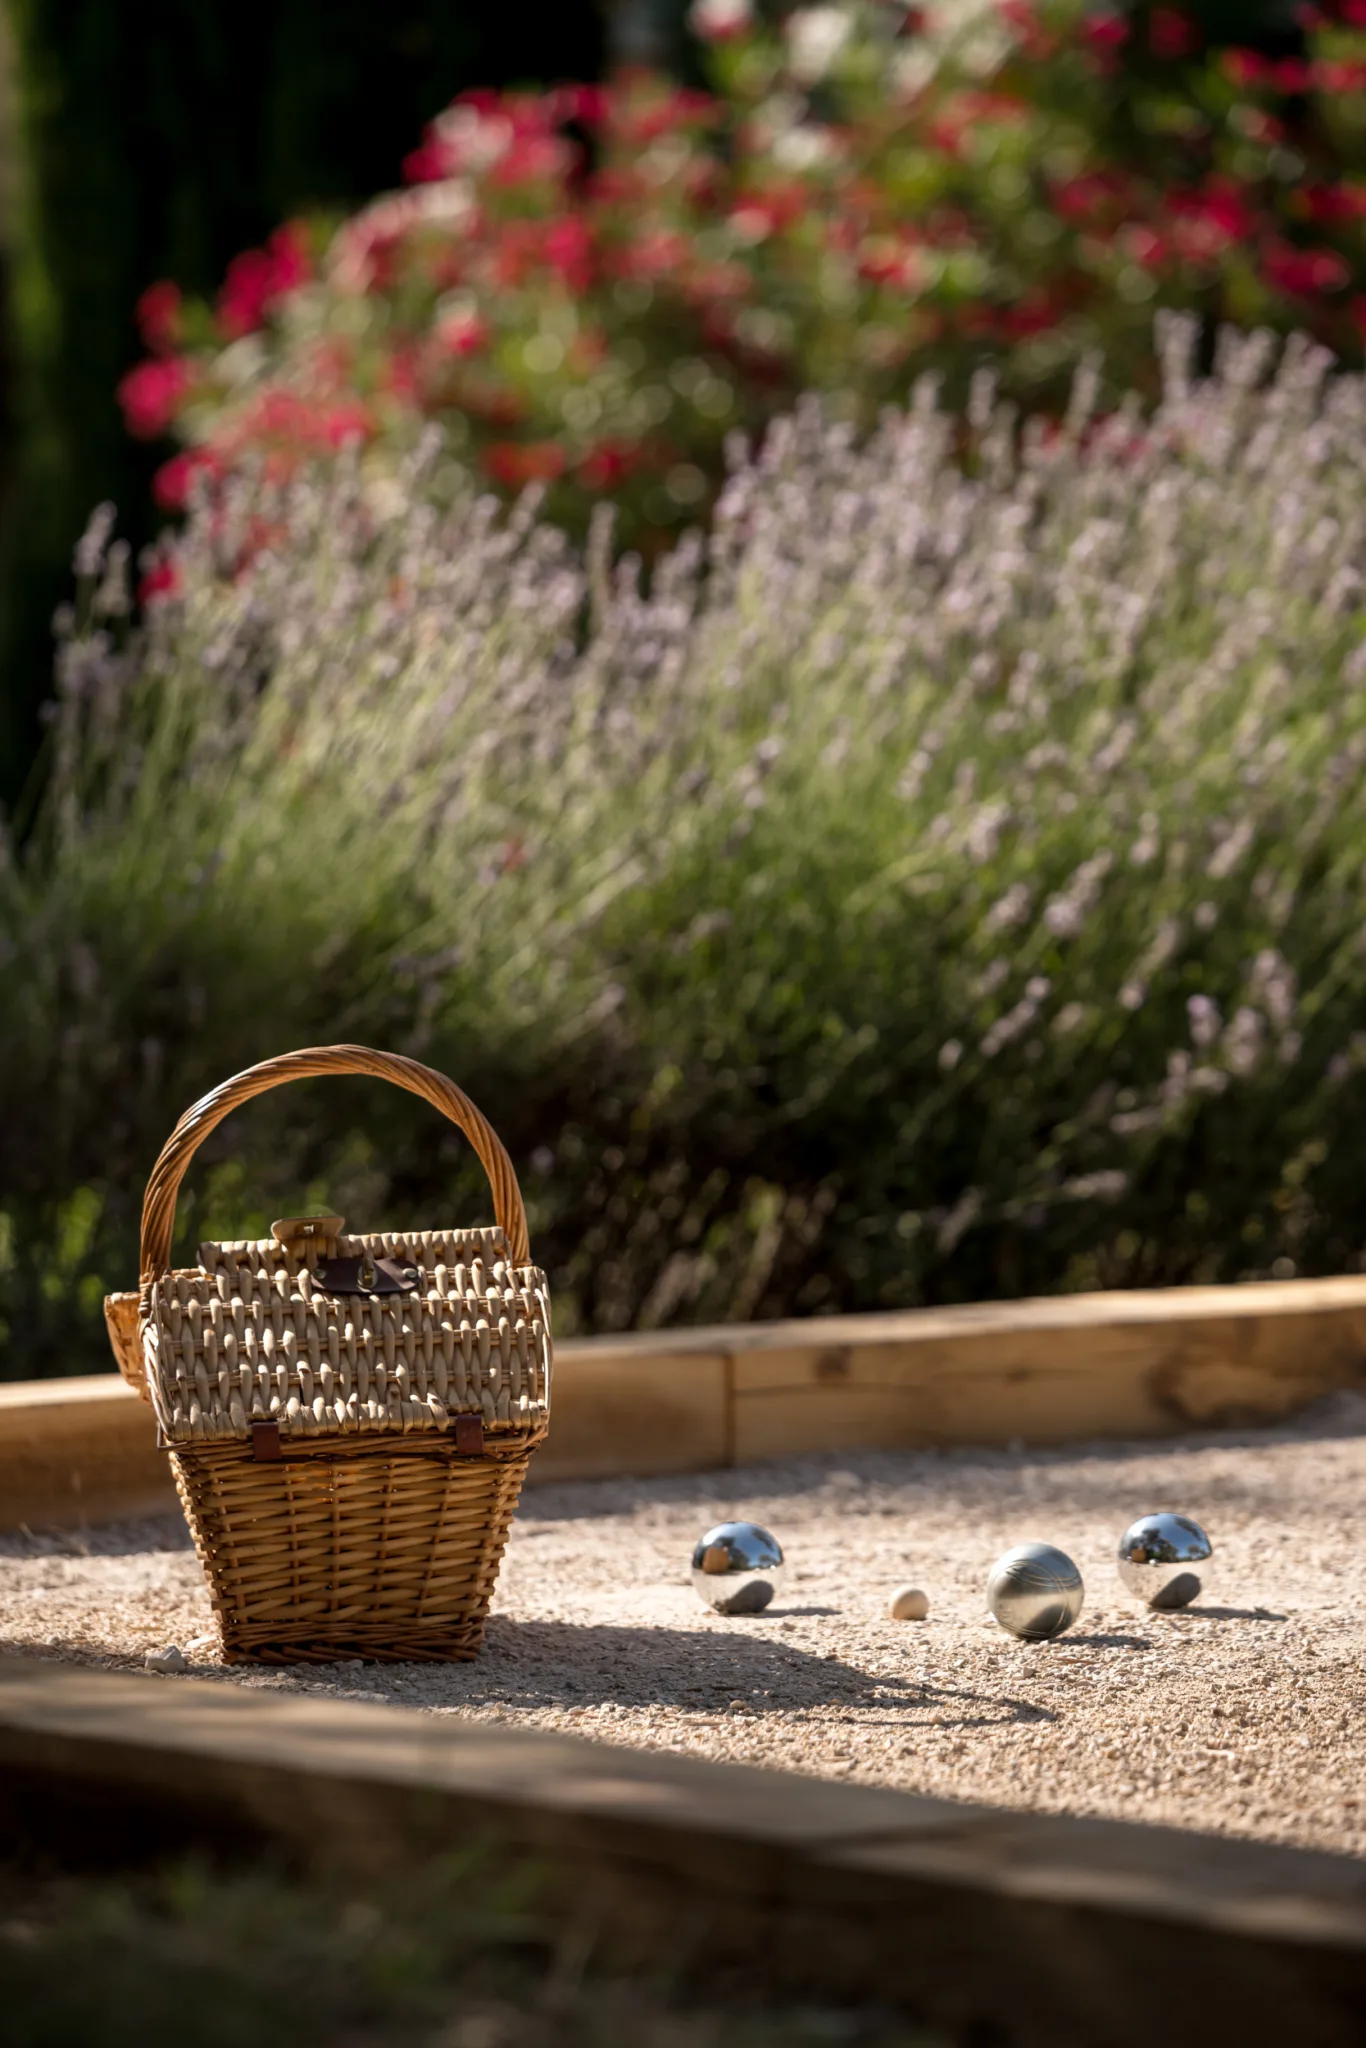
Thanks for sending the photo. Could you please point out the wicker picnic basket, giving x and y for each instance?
(349, 1419)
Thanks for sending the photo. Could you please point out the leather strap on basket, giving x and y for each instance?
(158, 1208)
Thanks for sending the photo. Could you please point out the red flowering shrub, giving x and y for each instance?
(259, 278)
(589, 289)
(152, 395)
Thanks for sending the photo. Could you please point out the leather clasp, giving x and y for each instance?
(366, 1275)
(469, 1436)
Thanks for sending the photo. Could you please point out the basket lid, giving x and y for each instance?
(337, 1335)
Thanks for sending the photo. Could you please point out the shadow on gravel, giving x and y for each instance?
(1098, 1641)
(538, 1664)
(1233, 1614)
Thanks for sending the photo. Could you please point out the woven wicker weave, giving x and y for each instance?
(349, 1463)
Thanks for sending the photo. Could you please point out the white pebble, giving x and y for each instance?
(169, 1659)
(908, 1603)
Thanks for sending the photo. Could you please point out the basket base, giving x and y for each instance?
(376, 1550)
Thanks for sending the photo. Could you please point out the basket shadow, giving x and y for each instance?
(556, 1664)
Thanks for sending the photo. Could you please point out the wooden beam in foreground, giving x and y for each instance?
(1043, 1931)
(1048, 1371)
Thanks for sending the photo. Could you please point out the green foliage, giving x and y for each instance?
(943, 882)
(187, 1957)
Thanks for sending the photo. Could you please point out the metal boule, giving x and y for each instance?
(1035, 1591)
(737, 1567)
(1157, 1556)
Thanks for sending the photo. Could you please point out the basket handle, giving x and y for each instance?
(158, 1207)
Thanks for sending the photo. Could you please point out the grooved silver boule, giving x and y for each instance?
(1035, 1591)
(1157, 1554)
(737, 1568)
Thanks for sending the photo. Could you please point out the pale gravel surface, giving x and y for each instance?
(1246, 1714)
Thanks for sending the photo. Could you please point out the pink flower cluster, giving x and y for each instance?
(599, 320)
(259, 278)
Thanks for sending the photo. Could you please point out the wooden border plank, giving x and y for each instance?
(1055, 1370)
(75, 1452)
(645, 1412)
(1052, 1370)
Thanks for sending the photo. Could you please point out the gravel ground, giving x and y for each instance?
(1244, 1714)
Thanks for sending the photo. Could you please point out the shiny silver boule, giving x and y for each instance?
(737, 1568)
(1156, 1556)
(1035, 1591)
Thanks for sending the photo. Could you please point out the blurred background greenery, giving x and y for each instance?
(937, 879)
(936, 885)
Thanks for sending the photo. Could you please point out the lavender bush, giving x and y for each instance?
(943, 882)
